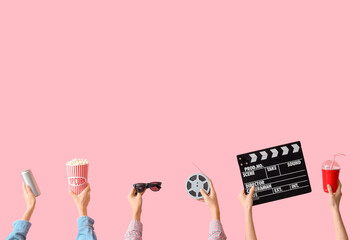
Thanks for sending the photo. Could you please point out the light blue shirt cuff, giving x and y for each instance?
(21, 226)
(85, 228)
(85, 221)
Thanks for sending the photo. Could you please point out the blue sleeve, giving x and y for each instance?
(20, 230)
(85, 229)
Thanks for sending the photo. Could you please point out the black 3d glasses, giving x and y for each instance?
(140, 187)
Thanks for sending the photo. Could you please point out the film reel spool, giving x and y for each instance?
(196, 182)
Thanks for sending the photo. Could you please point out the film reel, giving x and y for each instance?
(196, 182)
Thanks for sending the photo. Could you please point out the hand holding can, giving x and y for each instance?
(30, 181)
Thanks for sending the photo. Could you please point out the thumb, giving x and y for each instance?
(329, 188)
(252, 190)
(72, 194)
(204, 194)
(30, 191)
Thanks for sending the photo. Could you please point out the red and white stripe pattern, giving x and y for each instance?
(77, 176)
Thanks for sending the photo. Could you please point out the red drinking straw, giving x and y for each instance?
(338, 154)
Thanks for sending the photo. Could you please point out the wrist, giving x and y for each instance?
(248, 210)
(248, 214)
(30, 207)
(136, 216)
(82, 211)
(335, 209)
(27, 215)
(215, 214)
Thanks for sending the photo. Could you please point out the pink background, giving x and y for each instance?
(144, 88)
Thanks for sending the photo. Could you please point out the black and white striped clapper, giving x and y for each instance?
(277, 172)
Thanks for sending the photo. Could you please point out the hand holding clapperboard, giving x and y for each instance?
(278, 172)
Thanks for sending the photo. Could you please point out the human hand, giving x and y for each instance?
(82, 200)
(135, 200)
(30, 202)
(246, 200)
(335, 197)
(211, 201)
(29, 197)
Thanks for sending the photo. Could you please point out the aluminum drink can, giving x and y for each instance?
(29, 180)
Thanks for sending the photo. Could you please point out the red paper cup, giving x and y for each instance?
(77, 177)
(330, 176)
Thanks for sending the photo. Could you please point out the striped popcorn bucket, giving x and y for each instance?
(77, 176)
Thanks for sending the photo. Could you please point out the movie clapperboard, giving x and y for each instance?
(278, 172)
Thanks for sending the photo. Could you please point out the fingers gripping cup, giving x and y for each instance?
(77, 174)
(330, 173)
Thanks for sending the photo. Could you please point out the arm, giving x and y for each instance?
(247, 203)
(21, 227)
(85, 223)
(134, 231)
(216, 231)
(85, 228)
(340, 230)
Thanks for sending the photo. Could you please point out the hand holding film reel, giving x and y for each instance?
(200, 187)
